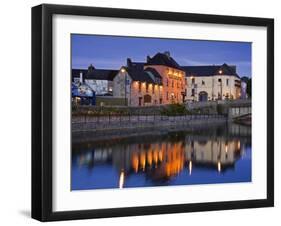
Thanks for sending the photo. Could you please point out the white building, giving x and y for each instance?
(100, 80)
(215, 82)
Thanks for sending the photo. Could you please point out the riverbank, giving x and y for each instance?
(103, 123)
(92, 131)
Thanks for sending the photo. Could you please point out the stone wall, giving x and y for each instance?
(111, 123)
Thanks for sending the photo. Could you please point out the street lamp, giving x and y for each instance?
(123, 71)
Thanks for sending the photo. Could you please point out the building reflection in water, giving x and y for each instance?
(163, 159)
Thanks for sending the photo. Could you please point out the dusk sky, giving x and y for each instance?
(111, 52)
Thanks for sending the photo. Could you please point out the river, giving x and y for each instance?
(215, 154)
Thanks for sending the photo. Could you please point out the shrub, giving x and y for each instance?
(174, 109)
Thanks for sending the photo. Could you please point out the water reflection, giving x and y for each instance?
(202, 156)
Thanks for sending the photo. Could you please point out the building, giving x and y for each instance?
(100, 80)
(138, 86)
(215, 82)
(160, 80)
(82, 94)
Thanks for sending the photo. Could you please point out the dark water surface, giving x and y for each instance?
(220, 154)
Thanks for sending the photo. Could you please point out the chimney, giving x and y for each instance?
(81, 77)
(129, 62)
(167, 53)
(91, 68)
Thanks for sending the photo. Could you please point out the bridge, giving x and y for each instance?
(234, 109)
(240, 111)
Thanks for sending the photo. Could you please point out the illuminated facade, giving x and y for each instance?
(138, 87)
(173, 77)
(158, 81)
(216, 82)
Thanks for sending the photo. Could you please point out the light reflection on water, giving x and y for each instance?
(211, 155)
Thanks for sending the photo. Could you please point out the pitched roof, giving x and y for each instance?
(137, 65)
(76, 72)
(96, 74)
(154, 72)
(144, 75)
(210, 70)
(163, 59)
(101, 74)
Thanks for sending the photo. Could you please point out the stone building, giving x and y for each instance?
(158, 81)
(100, 80)
(138, 86)
(216, 82)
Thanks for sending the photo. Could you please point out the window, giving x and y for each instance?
(167, 82)
(139, 86)
(193, 80)
(203, 82)
(227, 82)
(172, 83)
(146, 87)
(193, 92)
(140, 100)
(153, 87)
(219, 80)
(167, 96)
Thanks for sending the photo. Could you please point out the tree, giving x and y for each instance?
(245, 79)
(249, 87)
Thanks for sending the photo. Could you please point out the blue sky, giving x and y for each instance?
(111, 52)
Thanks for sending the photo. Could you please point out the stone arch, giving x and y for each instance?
(203, 96)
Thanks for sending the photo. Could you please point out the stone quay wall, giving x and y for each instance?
(113, 123)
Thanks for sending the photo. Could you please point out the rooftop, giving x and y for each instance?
(149, 75)
(163, 59)
(93, 73)
(210, 70)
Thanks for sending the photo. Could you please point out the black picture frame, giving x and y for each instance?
(42, 111)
